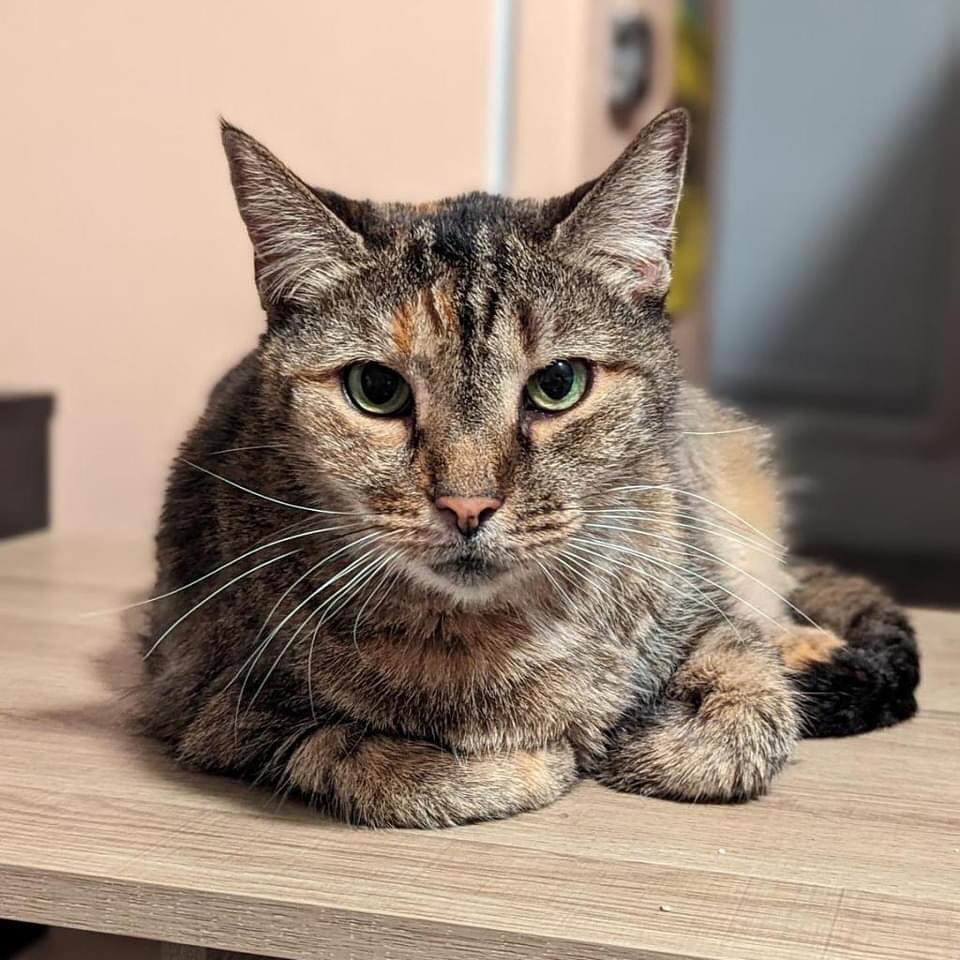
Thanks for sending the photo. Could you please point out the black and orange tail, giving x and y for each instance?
(866, 677)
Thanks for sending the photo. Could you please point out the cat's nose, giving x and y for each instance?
(469, 513)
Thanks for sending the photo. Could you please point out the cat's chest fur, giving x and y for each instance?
(479, 684)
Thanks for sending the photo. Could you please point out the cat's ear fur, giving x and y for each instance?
(301, 248)
(622, 227)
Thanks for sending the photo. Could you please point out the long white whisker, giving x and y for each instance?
(692, 573)
(253, 446)
(300, 579)
(263, 496)
(646, 573)
(718, 559)
(373, 593)
(718, 433)
(367, 574)
(691, 522)
(704, 599)
(356, 543)
(223, 566)
(309, 617)
(712, 503)
(313, 640)
(563, 593)
(254, 657)
(575, 564)
(206, 599)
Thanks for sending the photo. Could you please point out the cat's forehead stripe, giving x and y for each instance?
(402, 328)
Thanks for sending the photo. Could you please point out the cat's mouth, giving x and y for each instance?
(468, 570)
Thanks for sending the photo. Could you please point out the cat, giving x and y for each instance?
(457, 533)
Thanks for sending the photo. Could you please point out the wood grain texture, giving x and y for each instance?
(855, 854)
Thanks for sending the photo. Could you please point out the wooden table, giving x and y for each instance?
(855, 854)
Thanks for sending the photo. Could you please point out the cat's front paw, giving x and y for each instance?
(381, 781)
(718, 735)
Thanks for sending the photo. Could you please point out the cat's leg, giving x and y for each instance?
(254, 743)
(370, 778)
(725, 726)
(391, 781)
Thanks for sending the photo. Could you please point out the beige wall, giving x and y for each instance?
(562, 131)
(126, 272)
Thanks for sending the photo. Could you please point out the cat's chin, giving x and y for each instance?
(469, 582)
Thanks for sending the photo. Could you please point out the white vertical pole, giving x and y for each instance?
(500, 96)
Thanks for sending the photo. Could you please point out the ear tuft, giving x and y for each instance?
(301, 248)
(623, 226)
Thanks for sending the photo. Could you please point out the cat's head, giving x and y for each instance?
(473, 374)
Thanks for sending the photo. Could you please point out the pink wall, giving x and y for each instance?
(127, 282)
(126, 271)
(562, 131)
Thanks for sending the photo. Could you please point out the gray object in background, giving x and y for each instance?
(834, 293)
(24, 463)
(828, 199)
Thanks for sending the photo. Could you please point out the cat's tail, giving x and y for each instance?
(862, 673)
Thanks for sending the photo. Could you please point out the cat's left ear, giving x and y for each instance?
(623, 225)
(301, 247)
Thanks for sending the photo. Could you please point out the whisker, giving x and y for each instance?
(328, 582)
(691, 522)
(718, 433)
(223, 566)
(718, 559)
(373, 593)
(330, 613)
(313, 640)
(563, 593)
(253, 446)
(365, 571)
(575, 564)
(692, 573)
(263, 496)
(697, 496)
(704, 600)
(301, 578)
(355, 543)
(692, 592)
(206, 599)
(254, 657)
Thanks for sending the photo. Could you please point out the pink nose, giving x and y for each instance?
(468, 512)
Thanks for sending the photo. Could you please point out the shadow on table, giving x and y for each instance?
(115, 718)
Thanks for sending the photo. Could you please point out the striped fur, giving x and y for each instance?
(625, 614)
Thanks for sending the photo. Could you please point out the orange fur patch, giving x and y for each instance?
(402, 328)
(534, 771)
(445, 310)
(802, 646)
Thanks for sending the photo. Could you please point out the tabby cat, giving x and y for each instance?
(456, 533)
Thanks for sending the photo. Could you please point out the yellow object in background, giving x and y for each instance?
(693, 86)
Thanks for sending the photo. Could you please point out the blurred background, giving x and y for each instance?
(818, 260)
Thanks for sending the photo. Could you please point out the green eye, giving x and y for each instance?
(559, 386)
(377, 389)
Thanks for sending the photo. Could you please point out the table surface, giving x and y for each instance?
(854, 854)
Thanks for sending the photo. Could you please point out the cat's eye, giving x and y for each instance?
(378, 390)
(558, 386)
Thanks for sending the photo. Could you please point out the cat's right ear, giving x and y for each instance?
(301, 248)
